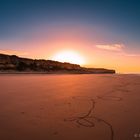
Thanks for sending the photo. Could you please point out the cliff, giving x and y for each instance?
(13, 63)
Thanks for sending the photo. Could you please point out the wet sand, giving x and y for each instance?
(69, 107)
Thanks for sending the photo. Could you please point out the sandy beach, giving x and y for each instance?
(69, 107)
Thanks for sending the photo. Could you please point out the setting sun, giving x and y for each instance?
(69, 56)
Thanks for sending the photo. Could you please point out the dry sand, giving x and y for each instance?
(69, 107)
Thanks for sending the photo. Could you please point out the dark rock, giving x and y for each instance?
(15, 63)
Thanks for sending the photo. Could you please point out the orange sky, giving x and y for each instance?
(95, 54)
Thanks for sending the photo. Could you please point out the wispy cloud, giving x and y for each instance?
(111, 47)
(13, 52)
(130, 55)
(120, 48)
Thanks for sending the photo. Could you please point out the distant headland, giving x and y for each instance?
(15, 64)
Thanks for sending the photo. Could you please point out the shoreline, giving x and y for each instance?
(36, 73)
(53, 72)
(63, 73)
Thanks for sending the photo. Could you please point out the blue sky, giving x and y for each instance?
(122, 17)
(110, 21)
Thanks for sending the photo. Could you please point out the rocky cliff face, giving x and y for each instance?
(15, 63)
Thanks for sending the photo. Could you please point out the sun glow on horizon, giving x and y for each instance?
(69, 56)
